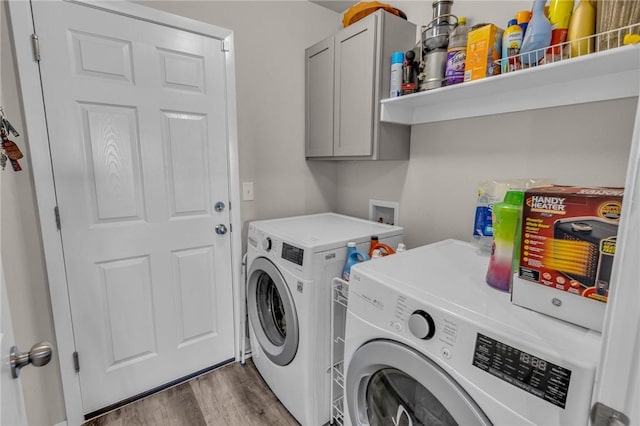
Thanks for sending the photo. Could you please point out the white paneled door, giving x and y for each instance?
(136, 114)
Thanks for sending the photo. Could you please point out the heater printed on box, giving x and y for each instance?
(569, 238)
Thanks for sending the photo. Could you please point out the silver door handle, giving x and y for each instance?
(39, 355)
(221, 229)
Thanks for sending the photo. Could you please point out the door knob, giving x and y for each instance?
(221, 229)
(219, 206)
(39, 355)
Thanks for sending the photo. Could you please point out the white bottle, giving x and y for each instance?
(376, 254)
(401, 247)
(397, 60)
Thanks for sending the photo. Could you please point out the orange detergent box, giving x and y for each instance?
(484, 48)
(566, 251)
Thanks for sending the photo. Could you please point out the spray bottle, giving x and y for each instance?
(537, 37)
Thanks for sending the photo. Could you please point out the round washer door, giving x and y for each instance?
(389, 383)
(272, 313)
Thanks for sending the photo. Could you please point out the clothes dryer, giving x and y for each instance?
(428, 342)
(291, 263)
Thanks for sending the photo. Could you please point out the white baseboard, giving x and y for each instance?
(63, 423)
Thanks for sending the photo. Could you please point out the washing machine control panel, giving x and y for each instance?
(523, 370)
(421, 325)
(292, 253)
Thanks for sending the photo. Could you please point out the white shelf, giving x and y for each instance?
(612, 74)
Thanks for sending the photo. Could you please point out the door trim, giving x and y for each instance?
(21, 28)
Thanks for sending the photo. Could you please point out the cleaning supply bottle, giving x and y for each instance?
(372, 245)
(523, 17)
(582, 24)
(401, 247)
(376, 254)
(457, 53)
(397, 62)
(559, 15)
(511, 42)
(505, 251)
(385, 250)
(537, 37)
(353, 256)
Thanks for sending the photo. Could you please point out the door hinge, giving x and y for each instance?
(601, 415)
(36, 46)
(56, 211)
(76, 362)
(226, 46)
(230, 227)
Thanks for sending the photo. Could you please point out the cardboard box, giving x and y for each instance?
(566, 252)
(484, 48)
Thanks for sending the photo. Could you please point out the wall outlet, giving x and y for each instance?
(247, 191)
(384, 211)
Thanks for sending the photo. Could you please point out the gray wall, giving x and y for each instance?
(437, 188)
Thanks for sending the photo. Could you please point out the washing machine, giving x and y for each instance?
(428, 342)
(291, 263)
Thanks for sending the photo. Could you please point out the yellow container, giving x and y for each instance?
(484, 47)
(582, 24)
(560, 13)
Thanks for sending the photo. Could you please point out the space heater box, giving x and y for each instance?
(566, 252)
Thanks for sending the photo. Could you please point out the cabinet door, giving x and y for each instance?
(319, 99)
(354, 88)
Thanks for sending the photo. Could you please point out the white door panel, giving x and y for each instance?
(137, 124)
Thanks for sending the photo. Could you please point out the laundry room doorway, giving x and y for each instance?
(134, 201)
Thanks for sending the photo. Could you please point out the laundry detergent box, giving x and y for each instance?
(566, 252)
(484, 48)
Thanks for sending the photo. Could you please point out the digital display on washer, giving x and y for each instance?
(523, 370)
(292, 253)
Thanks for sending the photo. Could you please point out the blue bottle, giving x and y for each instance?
(353, 256)
(537, 36)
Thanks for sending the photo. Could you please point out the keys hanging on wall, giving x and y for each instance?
(9, 151)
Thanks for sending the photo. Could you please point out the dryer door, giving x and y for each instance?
(389, 383)
(272, 313)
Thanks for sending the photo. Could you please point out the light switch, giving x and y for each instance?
(247, 191)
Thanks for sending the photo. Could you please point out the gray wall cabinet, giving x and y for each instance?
(346, 77)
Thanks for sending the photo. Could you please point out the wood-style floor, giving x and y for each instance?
(229, 396)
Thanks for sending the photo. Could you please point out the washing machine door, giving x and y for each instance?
(389, 383)
(272, 313)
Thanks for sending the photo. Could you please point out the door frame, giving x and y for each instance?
(21, 29)
(617, 383)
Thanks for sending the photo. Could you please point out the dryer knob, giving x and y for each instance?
(266, 244)
(421, 325)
